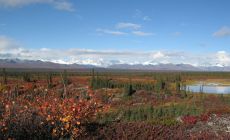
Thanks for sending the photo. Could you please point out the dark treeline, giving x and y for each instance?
(162, 83)
(111, 72)
(29, 76)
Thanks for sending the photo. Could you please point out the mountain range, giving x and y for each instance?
(33, 64)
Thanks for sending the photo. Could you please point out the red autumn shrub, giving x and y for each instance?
(195, 119)
(190, 119)
(35, 116)
(204, 118)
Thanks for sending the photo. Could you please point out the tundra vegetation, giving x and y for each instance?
(112, 104)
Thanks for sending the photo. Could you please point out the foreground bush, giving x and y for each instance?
(39, 117)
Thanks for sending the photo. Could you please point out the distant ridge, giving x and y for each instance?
(179, 67)
(18, 63)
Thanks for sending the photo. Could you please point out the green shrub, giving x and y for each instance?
(151, 114)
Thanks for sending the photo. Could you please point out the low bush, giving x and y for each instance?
(149, 113)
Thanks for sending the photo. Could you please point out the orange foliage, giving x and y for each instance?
(65, 117)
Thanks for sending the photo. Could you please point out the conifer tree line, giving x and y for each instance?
(171, 76)
(33, 76)
(162, 83)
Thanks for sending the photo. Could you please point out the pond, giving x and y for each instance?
(215, 88)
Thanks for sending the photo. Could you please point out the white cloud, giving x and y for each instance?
(158, 55)
(140, 33)
(223, 58)
(59, 61)
(127, 25)
(222, 32)
(7, 44)
(45, 49)
(57, 4)
(64, 5)
(120, 28)
(18, 3)
(10, 49)
(112, 32)
(90, 61)
(80, 56)
(80, 52)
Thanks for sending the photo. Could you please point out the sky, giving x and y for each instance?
(106, 32)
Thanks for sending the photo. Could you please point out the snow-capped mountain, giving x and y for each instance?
(114, 64)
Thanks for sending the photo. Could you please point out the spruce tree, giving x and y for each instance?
(92, 79)
(4, 76)
(49, 80)
(65, 77)
(26, 77)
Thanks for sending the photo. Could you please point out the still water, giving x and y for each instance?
(209, 88)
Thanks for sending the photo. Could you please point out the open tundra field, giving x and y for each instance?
(114, 70)
(95, 104)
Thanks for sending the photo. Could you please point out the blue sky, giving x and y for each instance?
(103, 32)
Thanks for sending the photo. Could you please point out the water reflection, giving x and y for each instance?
(208, 88)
